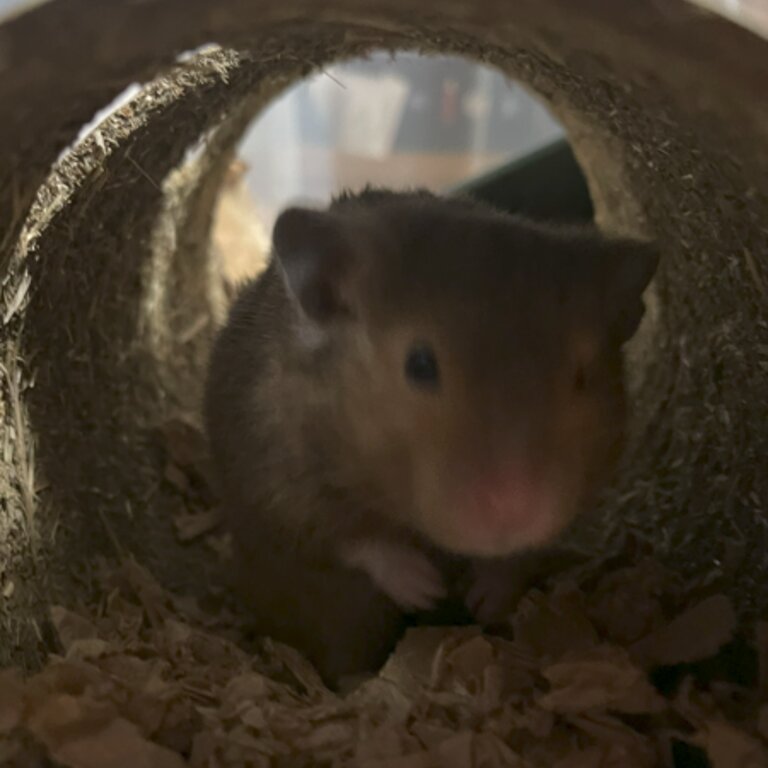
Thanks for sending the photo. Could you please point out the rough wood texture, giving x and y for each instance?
(109, 296)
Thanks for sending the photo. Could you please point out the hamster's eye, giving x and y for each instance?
(421, 366)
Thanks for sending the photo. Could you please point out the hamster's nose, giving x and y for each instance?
(513, 506)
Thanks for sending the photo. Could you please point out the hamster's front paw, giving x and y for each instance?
(496, 585)
(495, 588)
(402, 572)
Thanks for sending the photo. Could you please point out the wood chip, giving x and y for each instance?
(692, 636)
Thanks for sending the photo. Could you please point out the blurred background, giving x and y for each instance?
(398, 121)
(402, 121)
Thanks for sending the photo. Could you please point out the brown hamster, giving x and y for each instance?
(412, 375)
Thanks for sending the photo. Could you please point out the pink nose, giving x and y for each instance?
(514, 502)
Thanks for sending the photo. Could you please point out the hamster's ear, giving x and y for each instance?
(316, 256)
(631, 265)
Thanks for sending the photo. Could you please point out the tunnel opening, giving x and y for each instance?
(393, 119)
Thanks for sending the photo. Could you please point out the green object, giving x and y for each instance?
(546, 184)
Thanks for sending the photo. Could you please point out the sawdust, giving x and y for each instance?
(239, 239)
(579, 678)
(147, 679)
(106, 250)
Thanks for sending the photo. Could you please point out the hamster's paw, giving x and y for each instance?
(495, 589)
(402, 572)
(497, 585)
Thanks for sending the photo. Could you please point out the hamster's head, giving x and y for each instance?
(471, 361)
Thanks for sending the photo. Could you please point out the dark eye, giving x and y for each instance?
(421, 366)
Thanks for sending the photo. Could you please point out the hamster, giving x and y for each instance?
(412, 377)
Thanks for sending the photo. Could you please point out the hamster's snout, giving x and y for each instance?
(502, 510)
(517, 498)
(512, 507)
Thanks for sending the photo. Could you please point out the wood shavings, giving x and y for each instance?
(117, 744)
(239, 238)
(639, 586)
(187, 466)
(149, 679)
(602, 678)
(192, 526)
(185, 443)
(76, 633)
(11, 700)
(613, 734)
(187, 470)
(553, 625)
(729, 747)
(695, 634)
